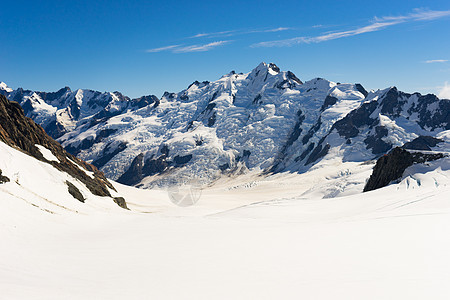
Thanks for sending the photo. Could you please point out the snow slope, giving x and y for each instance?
(42, 187)
(253, 237)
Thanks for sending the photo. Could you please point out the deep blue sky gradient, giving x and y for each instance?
(102, 45)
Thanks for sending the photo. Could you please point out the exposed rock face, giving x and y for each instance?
(75, 192)
(21, 132)
(3, 179)
(422, 143)
(121, 202)
(391, 166)
(377, 124)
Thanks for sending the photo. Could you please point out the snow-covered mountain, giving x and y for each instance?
(267, 120)
(313, 224)
(34, 166)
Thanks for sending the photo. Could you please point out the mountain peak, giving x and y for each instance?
(271, 67)
(5, 87)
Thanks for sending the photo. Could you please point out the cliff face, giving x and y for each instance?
(391, 167)
(23, 133)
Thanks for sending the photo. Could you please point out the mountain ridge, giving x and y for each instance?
(266, 119)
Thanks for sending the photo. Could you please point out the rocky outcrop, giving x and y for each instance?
(121, 202)
(23, 133)
(422, 143)
(74, 191)
(391, 167)
(3, 179)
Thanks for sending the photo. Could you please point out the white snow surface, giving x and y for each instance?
(5, 87)
(48, 155)
(252, 237)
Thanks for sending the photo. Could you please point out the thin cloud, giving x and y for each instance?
(417, 15)
(213, 34)
(166, 48)
(325, 37)
(377, 24)
(276, 29)
(431, 61)
(200, 48)
(237, 32)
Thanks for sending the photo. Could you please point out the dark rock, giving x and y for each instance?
(375, 142)
(50, 97)
(257, 98)
(292, 77)
(274, 67)
(305, 153)
(329, 101)
(27, 107)
(134, 173)
(155, 166)
(224, 167)
(361, 89)
(199, 141)
(422, 143)
(209, 108)
(318, 152)
(296, 131)
(145, 101)
(348, 126)
(108, 154)
(3, 179)
(194, 83)
(214, 96)
(55, 129)
(121, 202)
(104, 133)
(392, 103)
(83, 145)
(169, 95)
(212, 120)
(391, 167)
(75, 192)
(182, 160)
(164, 150)
(432, 119)
(74, 109)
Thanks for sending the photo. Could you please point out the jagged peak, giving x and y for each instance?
(267, 66)
(5, 87)
(292, 76)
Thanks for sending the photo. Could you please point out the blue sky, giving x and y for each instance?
(144, 47)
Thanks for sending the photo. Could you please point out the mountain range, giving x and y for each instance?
(265, 121)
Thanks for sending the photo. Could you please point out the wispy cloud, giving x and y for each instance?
(200, 48)
(190, 48)
(417, 15)
(431, 61)
(213, 34)
(275, 29)
(162, 49)
(376, 25)
(325, 37)
(228, 33)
